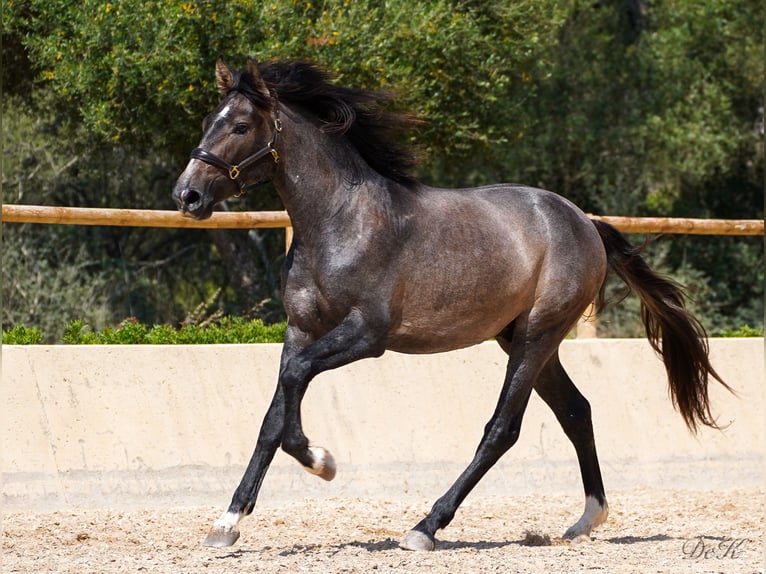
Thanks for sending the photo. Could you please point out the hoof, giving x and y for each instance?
(595, 514)
(324, 464)
(577, 533)
(418, 541)
(221, 537)
(577, 538)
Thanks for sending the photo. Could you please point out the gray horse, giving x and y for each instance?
(380, 261)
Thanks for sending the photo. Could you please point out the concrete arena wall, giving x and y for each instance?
(127, 426)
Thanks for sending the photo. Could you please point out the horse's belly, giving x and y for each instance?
(413, 344)
(462, 305)
(449, 329)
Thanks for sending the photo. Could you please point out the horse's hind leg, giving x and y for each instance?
(527, 357)
(573, 413)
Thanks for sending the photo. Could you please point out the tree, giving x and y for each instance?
(127, 72)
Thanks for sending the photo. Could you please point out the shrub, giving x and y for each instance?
(130, 332)
(21, 335)
(743, 331)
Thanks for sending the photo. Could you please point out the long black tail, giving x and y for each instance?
(674, 333)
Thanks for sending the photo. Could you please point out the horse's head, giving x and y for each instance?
(237, 149)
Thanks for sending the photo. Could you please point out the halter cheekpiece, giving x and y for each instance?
(234, 170)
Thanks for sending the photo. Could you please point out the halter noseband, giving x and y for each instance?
(234, 170)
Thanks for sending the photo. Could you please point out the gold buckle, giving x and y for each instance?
(275, 155)
(233, 172)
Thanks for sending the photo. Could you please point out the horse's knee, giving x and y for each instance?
(510, 435)
(295, 373)
(297, 447)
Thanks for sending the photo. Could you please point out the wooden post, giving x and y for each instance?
(288, 237)
(586, 326)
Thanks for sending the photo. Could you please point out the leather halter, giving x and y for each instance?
(234, 170)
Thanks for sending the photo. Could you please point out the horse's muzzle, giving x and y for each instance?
(192, 203)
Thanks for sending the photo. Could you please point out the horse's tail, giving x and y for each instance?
(674, 333)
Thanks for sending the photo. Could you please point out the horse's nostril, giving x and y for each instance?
(190, 197)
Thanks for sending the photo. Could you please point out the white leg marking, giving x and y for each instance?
(324, 463)
(594, 515)
(227, 521)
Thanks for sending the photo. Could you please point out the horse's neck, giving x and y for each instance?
(319, 176)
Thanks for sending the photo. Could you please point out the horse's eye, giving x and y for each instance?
(241, 129)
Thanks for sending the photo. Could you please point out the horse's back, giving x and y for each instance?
(524, 227)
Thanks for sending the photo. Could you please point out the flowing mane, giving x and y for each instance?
(360, 115)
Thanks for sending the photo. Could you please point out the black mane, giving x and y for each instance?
(359, 114)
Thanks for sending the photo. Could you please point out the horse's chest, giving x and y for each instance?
(317, 303)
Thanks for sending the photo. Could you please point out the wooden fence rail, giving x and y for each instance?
(280, 219)
(142, 217)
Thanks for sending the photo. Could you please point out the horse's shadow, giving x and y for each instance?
(386, 545)
(390, 544)
(640, 539)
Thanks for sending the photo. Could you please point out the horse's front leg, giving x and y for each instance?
(356, 337)
(224, 531)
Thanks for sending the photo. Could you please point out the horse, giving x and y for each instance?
(382, 261)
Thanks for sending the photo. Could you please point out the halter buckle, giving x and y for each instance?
(233, 172)
(275, 155)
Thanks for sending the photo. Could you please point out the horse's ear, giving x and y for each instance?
(223, 76)
(258, 83)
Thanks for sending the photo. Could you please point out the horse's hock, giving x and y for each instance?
(134, 426)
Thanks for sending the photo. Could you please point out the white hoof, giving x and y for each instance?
(594, 516)
(417, 541)
(324, 464)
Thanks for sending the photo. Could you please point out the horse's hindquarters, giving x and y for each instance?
(482, 258)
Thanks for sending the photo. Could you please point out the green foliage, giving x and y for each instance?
(21, 335)
(230, 330)
(127, 71)
(131, 332)
(43, 287)
(743, 331)
(635, 112)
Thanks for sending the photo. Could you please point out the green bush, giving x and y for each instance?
(229, 330)
(131, 332)
(743, 331)
(21, 335)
